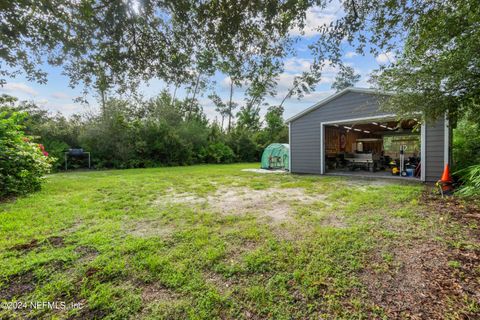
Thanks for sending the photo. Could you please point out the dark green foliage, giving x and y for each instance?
(218, 153)
(471, 178)
(157, 132)
(438, 68)
(466, 144)
(345, 78)
(116, 44)
(243, 145)
(22, 163)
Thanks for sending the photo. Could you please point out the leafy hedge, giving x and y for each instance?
(22, 162)
(471, 178)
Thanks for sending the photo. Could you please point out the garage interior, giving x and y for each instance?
(384, 148)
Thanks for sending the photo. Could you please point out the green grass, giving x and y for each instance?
(132, 248)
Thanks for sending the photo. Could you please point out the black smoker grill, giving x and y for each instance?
(76, 153)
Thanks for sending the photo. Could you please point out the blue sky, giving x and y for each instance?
(57, 96)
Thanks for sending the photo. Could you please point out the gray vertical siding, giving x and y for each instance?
(435, 147)
(305, 132)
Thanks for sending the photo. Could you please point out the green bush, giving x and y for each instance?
(22, 162)
(218, 153)
(56, 149)
(466, 144)
(471, 178)
(139, 133)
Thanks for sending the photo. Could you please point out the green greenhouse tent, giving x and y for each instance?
(275, 156)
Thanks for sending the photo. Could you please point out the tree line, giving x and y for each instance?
(161, 131)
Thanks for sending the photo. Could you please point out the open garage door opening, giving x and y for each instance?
(378, 148)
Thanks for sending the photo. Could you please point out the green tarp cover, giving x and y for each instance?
(275, 156)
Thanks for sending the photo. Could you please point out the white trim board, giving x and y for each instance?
(322, 148)
(385, 116)
(423, 151)
(289, 147)
(446, 141)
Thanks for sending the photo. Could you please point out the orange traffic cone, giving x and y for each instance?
(446, 177)
(446, 181)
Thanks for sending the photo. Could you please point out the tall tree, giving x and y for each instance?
(139, 40)
(345, 78)
(164, 39)
(248, 118)
(220, 107)
(231, 105)
(439, 69)
(274, 120)
(304, 83)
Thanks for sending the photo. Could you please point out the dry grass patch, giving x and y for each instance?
(275, 204)
(154, 292)
(148, 228)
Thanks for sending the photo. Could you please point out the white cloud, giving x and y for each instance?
(60, 95)
(297, 65)
(67, 108)
(387, 57)
(350, 54)
(42, 101)
(18, 88)
(316, 96)
(317, 17)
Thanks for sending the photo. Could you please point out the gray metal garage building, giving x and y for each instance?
(346, 128)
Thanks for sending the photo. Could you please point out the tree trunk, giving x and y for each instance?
(286, 97)
(194, 94)
(230, 106)
(174, 94)
(102, 96)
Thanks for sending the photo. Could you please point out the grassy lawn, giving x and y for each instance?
(213, 241)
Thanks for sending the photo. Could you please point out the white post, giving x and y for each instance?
(289, 147)
(446, 137)
(322, 150)
(423, 149)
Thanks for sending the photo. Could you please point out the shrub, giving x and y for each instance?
(22, 162)
(466, 144)
(56, 150)
(471, 178)
(218, 153)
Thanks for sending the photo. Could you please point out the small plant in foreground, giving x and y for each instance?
(471, 179)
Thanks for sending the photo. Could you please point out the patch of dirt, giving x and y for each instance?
(86, 313)
(18, 285)
(154, 292)
(149, 228)
(273, 203)
(91, 272)
(264, 171)
(87, 253)
(429, 280)
(421, 286)
(464, 210)
(173, 197)
(56, 242)
(334, 221)
(222, 284)
(26, 246)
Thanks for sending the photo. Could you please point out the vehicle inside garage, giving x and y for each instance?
(376, 148)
